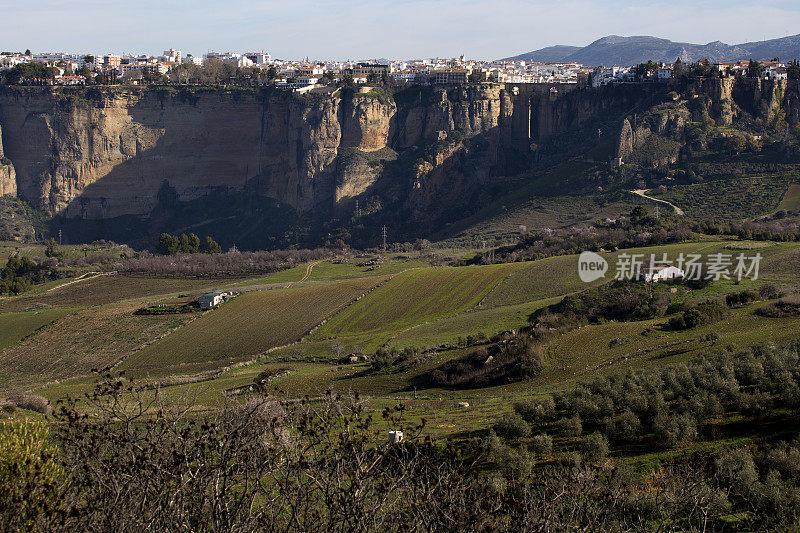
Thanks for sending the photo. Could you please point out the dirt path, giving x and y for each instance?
(82, 277)
(309, 268)
(643, 194)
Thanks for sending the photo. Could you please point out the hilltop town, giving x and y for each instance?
(260, 68)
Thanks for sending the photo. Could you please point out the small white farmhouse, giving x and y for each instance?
(211, 299)
(662, 273)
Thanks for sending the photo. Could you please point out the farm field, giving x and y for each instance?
(558, 275)
(480, 321)
(326, 271)
(86, 339)
(415, 297)
(245, 327)
(419, 308)
(16, 326)
(103, 290)
(791, 200)
(734, 199)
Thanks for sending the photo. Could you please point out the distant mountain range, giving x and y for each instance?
(626, 51)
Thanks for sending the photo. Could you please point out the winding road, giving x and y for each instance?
(643, 194)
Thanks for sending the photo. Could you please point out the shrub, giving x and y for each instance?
(32, 480)
(628, 425)
(738, 299)
(512, 426)
(785, 307)
(571, 426)
(541, 444)
(536, 410)
(31, 402)
(700, 314)
(768, 291)
(514, 463)
(671, 429)
(594, 447)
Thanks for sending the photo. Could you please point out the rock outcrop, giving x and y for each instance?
(8, 177)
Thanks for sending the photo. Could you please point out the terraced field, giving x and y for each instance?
(558, 275)
(103, 290)
(791, 200)
(326, 271)
(415, 297)
(423, 307)
(485, 321)
(245, 327)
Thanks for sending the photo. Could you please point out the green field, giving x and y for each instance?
(415, 297)
(326, 271)
(791, 200)
(16, 326)
(418, 307)
(246, 326)
(485, 321)
(558, 275)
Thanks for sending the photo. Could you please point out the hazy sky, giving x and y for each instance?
(362, 29)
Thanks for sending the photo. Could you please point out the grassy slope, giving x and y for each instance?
(558, 275)
(16, 326)
(734, 199)
(328, 271)
(486, 321)
(247, 326)
(791, 200)
(415, 297)
(91, 338)
(103, 290)
(573, 356)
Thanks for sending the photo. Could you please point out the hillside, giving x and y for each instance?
(627, 51)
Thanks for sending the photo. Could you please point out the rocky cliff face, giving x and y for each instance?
(656, 136)
(8, 177)
(102, 153)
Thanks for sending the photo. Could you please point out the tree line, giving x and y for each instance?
(187, 244)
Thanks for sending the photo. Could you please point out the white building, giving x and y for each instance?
(212, 299)
(664, 73)
(458, 76)
(171, 56)
(661, 273)
(192, 59)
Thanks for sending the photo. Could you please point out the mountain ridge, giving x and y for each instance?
(632, 50)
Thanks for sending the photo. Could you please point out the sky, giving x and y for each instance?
(366, 29)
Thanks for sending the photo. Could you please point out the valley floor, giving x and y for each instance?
(298, 329)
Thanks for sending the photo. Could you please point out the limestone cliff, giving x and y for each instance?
(8, 177)
(103, 153)
(99, 153)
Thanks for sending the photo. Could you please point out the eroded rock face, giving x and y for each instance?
(110, 156)
(101, 153)
(8, 177)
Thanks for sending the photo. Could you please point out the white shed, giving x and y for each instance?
(211, 299)
(662, 273)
